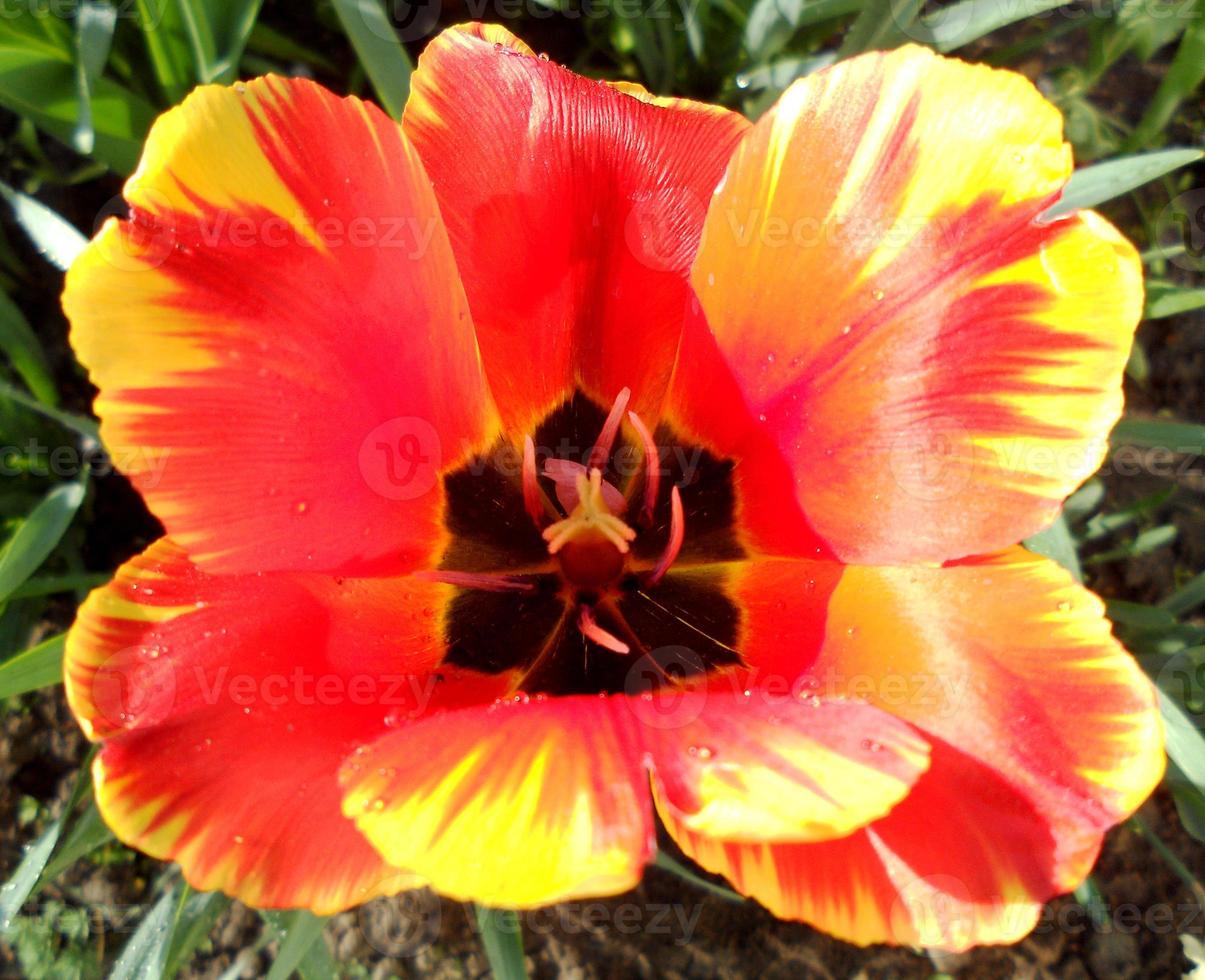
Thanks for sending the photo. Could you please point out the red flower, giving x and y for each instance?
(566, 451)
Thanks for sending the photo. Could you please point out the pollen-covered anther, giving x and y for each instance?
(591, 517)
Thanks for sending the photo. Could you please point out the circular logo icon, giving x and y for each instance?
(135, 687)
(135, 245)
(400, 458)
(403, 925)
(657, 688)
(1180, 230)
(661, 225)
(933, 464)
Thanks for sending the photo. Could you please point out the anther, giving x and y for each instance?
(475, 580)
(677, 531)
(606, 438)
(652, 468)
(592, 631)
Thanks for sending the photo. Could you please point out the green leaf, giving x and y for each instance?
(502, 939)
(144, 956)
(52, 235)
(1181, 81)
(87, 834)
(667, 863)
(1056, 543)
(195, 917)
(1180, 437)
(1090, 186)
(40, 85)
(38, 535)
(95, 21)
(39, 666)
(166, 39)
(955, 25)
(1139, 616)
(1185, 745)
(20, 345)
(76, 423)
(1186, 598)
(1166, 299)
(882, 24)
(301, 947)
(379, 50)
(24, 882)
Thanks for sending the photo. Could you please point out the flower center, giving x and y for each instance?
(576, 570)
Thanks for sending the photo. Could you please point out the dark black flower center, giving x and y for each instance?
(568, 573)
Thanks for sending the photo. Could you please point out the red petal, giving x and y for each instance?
(1046, 733)
(574, 210)
(524, 802)
(282, 345)
(227, 705)
(930, 369)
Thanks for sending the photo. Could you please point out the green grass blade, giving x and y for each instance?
(1056, 543)
(1166, 299)
(301, 947)
(1184, 76)
(87, 834)
(38, 535)
(85, 427)
(958, 24)
(195, 917)
(39, 666)
(379, 50)
(41, 87)
(502, 939)
(1102, 182)
(20, 345)
(233, 40)
(52, 235)
(144, 956)
(198, 29)
(167, 44)
(95, 21)
(1180, 437)
(882, 24)
(24, 882)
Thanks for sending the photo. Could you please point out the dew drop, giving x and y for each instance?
(847, 329)
(497, 45)
(301, 507)
(543, 56)
(761, 417)
(878, 294)
(701, 751)
(871, 746)
(239, 838)
(1065, 605)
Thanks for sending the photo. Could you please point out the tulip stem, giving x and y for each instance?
(502, 939)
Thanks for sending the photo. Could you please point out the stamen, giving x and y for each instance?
(677, 531)
(591, 513)
(606, 438)
(533, 499)
(475, 580)
(592, 631)
(652, 468)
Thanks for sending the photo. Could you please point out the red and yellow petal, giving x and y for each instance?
(962, 861)
(525, 803)
(1045, 734)
(574, 209)
(284, 351)
(226, 705)
(933, 368)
